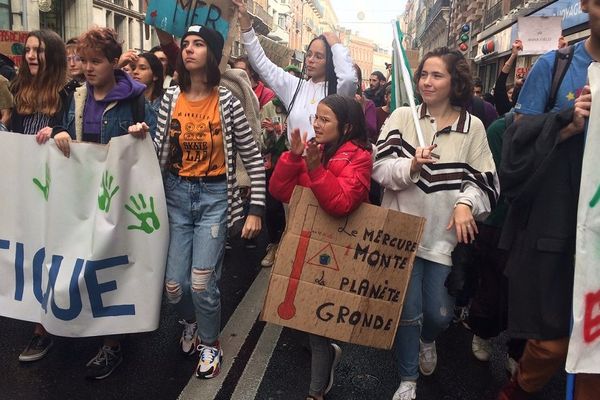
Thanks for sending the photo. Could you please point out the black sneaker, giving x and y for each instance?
(105, 362)
(37, 348)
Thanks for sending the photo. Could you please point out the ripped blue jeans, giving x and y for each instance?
(427, 312)
(198, 224)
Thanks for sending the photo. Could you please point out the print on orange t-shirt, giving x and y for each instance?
(196, 138)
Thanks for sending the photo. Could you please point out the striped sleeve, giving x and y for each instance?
(161, 142)
(480, 186)
(249, 153)
(391, 168)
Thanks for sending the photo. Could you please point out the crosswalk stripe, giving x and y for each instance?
(232, 338)
(252, 377)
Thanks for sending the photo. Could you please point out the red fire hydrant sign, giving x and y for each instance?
(343, 278)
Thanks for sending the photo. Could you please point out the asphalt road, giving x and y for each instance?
(263, 361)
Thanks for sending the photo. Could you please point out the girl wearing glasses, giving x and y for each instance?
(337, 168)
(74, 64)
(327, 66)
(450, 180)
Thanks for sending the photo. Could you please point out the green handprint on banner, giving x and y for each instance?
(595, 199)
(106, 194)
(45, 188)
(143, 214)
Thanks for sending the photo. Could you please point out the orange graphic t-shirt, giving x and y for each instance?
(196, 138)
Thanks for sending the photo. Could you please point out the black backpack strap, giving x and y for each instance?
(562, 61)
(138, 108)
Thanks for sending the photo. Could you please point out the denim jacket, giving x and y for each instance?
(116, 119)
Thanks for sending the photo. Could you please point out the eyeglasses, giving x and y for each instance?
(73, 58)
(314, 56)
(318, 120)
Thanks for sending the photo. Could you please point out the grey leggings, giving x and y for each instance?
(320, 364)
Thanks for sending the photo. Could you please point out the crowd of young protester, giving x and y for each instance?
(317, 128)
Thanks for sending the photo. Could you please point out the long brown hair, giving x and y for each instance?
(41, 93)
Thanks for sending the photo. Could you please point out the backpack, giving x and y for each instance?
(562, 61)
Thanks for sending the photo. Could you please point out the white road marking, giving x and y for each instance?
(259, 360)
(233, 337)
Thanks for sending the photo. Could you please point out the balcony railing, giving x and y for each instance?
(493, 14)
(317, 6)
(258, 11)
(515, 3)
(436, 10)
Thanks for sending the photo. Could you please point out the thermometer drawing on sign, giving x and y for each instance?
(286, 309)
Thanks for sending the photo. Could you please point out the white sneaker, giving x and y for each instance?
(337, 355)
(406, 391)
(189, 337)
(427, 358)
(209, 364)
(511, 365)
(269, 258)
(482, 348)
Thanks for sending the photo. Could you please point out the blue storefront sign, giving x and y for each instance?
(570, 10)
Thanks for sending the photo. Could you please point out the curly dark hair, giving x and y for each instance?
(461, 80)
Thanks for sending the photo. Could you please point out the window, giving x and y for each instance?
(5, 14)
(281, 21)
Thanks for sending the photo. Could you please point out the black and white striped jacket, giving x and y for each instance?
(237, 138)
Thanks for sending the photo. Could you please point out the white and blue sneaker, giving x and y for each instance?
(209, 364)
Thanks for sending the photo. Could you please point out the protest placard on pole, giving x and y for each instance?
(279, 54)
(539, 34)
(83, 240)
(175, 17)
(584, 346)
(343, 278)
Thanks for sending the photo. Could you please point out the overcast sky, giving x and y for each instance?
(377, 17)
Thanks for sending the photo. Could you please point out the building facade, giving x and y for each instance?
(69, 18)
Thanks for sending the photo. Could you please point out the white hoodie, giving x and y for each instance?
(284, 84)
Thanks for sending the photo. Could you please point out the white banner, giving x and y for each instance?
(584, 346)
(539, 34)
(83, 240)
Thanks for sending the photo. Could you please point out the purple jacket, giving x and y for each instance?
(371, 119)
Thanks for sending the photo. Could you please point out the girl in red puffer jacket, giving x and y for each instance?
(338, 162)
(337, 168)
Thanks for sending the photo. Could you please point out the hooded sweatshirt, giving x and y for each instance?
(125, 88)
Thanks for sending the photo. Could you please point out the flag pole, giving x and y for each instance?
(407, 81)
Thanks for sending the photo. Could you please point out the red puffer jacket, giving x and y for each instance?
(340, 187)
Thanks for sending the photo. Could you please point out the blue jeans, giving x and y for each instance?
(428, 310)
(198, 224)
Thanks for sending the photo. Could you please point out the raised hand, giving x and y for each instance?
(313, 155)
(297, 144)
(423, 155)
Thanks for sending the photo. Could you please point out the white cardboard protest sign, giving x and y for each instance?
(539, 34)
(584, 346)
(83, 240)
